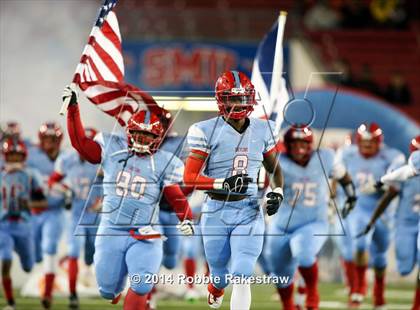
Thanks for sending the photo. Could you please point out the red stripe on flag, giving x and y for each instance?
(110, 34)
(108, 61)
(95, 69)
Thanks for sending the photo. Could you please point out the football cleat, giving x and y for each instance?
(356, 300)
(116, 299)
(213, 301)
(73, 301)
(46, 303)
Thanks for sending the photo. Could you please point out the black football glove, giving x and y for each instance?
(348, 206)
(70, 91)
(273, 202)
(237, 183)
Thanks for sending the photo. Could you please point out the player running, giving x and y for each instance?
(407, 237)
(19, 190)
(366, 162)
(48, 222)
(229, 150)
(135, 173)
(299, 230)
(82, 179)
(407, 171)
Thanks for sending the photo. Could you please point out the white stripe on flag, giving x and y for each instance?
(110, 48)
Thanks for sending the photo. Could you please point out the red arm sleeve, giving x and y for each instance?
(192, 176)
(87, 148)
(178, 202)
(54, 178)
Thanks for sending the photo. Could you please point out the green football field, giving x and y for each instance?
(332, 297)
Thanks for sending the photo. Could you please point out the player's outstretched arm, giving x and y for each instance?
(275, 197)
(87, 148)
(399, 175)
(380, 209)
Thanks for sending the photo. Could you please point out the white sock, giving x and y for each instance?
(50, 263)
(241, 297)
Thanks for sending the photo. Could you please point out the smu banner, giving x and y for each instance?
(183, 67)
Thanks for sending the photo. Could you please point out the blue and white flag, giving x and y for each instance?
(267, 75)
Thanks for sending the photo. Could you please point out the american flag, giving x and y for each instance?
(100, 73)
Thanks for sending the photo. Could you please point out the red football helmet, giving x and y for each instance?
(12, 130)
(50, 136)
(415, 144)
(14, 146)
(235, 95)
(144, 132)
(369, 139)
(295, 149)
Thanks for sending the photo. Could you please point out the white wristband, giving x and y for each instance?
(218, 183)
(278, 190)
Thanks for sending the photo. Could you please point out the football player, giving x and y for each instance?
(20, 189)
(226, 153)
(407, 237)
(135, 174)
(9, 130)
(299, 230)
(48, 222)
(367, 161)
(407, 171)
(82, 179)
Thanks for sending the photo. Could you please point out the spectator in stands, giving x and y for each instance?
(321, 17)
(397, 91)
(382, 10)
(343, 74)
(355, 14)
(366, 82)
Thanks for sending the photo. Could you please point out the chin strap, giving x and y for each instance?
(9, 167)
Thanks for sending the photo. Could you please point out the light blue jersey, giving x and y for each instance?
(15, 187)
(414, 161)
(39, 160)
(80, 177)
(409, 206)
(369, 170)
(230, 152)
(133, 184)
(306, 190)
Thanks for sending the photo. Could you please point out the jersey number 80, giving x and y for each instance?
(137, 187)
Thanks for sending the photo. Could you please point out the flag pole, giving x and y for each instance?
(277, 75)
(73, 83)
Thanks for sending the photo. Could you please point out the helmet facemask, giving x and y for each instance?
(143, 142)
(14, 155)
(369, 139)
(236, 104)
